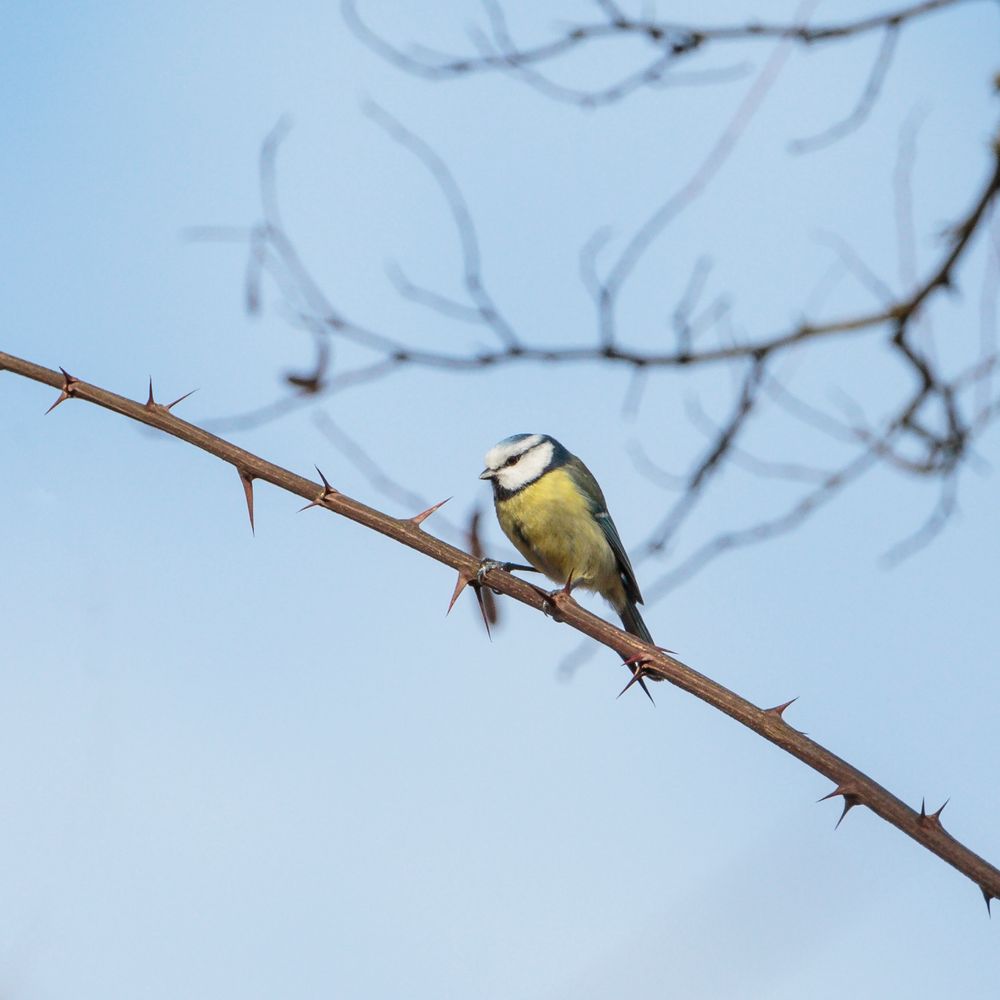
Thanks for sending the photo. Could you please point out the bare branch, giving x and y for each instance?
(930, 529)
(866, 102)
(854, 264)
(656, 72)
(789, 471)
(710, 462)
(320, 316)
(489, 314)
(763, 530)
(657, 222)
(673, 41)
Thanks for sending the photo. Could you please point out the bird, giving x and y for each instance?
(552, 509)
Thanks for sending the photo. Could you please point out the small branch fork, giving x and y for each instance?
(852, 785)
(667, 45)
(928, 429)
(895, 318)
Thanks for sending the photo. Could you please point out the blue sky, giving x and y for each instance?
(268, 765)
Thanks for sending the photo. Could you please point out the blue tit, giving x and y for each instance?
(550, 506)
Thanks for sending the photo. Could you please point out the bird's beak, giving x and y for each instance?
(486, 474)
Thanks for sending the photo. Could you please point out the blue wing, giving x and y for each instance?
(589, 487)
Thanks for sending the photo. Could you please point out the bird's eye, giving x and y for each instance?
(513, 460)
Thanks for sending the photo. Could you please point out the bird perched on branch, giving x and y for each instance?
(550, 506)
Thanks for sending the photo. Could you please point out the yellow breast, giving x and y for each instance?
(551, 525)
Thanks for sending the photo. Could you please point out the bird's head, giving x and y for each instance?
(519, 460)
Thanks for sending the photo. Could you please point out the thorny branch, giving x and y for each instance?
(855, 787)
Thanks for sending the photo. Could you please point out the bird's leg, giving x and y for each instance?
(486, 565)
(637, 664)
(563, 597)
(553, 601)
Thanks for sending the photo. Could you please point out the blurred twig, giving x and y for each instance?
(672, 44)
(926, 422)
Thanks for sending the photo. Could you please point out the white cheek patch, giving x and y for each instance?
(498, 454)
(531, 465)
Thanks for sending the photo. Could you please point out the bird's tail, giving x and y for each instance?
(633, 623)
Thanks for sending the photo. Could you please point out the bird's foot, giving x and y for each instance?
(486, 565)
(563, 599)
(558, 601)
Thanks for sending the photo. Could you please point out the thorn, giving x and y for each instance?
(546, 597)
(839, 790)
(850, 800)
(179, 399)
(247, 481)
(327, 488)
(152, 404)
(934, 818)
(779, 710)
(637, 665)
(988, 897)
(419, 519)
(475, 543)
(482, 609)
(637, 679)
(328, 491)
(464, 580)
(68, 389)
(476, 548)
